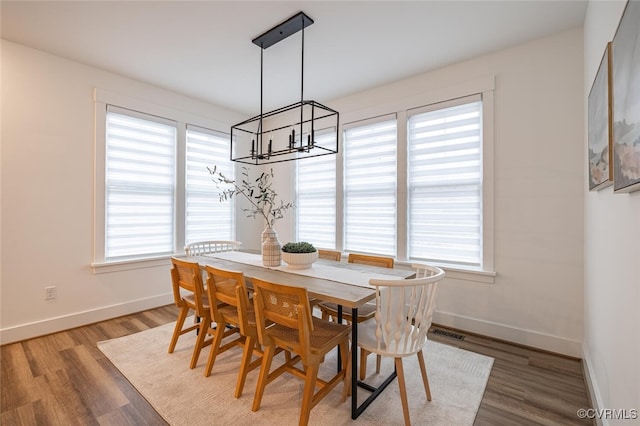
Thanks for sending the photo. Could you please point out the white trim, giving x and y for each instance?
(431, 96)
(592, 387)
(488, 199)
(516, 335)
(454, 272)
(481, 88)
(78, 319)
(129, 264)
(180, 119)
(147, 107)
(402, 177)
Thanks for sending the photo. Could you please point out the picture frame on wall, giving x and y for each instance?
(600, 129)
(625, 52)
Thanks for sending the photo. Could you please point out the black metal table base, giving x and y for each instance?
(375, 392)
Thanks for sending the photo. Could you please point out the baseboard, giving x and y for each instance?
(592, 386)
(521, 336)
(78, 319)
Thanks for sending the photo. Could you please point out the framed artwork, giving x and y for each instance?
(600, 126)
(626, 100)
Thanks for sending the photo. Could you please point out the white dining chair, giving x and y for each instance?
(214, 246)
(404, 311)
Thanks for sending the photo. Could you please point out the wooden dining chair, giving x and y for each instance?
(189, 296)
(404, 311)
(365, 259)
(330, 255)
(233, 313)
(207, 247)
(295, 330)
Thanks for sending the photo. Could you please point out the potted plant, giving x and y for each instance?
(299, 255)
(264, 203)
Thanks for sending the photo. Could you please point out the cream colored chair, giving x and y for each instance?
(189, 296)
(206, 247)
(295, 330)
(404, 311)
(366, 311)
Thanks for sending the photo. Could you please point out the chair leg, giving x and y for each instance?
(218, 334)
(178, 328)
(425, 379)
(363, 363)
(308, 393)
(325, 315)
(378, 361)
(249, 344)
(403, 391)
(263, 377)
(346, 388)
(205, 323)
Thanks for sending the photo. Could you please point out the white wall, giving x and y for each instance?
(537, 296)
(47, 195)
(611, 258)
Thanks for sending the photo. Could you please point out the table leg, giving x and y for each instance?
(375, 391)
(339, 322)
(354, 365)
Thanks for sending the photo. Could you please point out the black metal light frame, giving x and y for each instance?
(291, 132)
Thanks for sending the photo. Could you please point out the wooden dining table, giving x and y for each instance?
(342, 283)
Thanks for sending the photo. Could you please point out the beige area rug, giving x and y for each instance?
(185, 397)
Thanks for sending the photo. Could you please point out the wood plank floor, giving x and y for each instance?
(63, 379)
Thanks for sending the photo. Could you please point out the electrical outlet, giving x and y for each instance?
(50, 293)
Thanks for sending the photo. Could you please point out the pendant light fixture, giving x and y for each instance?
(300, 130)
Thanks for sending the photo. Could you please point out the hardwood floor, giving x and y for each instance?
(63, 379)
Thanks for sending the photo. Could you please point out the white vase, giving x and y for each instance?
(271, 247)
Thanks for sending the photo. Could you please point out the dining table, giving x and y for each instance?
(342, 283)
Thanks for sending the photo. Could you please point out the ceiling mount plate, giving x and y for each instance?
(283, 30)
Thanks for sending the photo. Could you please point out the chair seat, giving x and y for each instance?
(230, 313)
(325, 334)
(367, 340)
(365, 312)
(190, 298)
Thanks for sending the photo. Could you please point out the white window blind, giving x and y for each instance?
(370, 187)
(316, 198)
(445, 184)
(140, 185)
(206, 217)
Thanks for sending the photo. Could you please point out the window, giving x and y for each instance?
(445, 183)
(139, 185)
(316, 200)
(206, 217)
(417, 184)
(370, 187)
(153, 190)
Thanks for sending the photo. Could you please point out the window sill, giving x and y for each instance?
(126, 265)
(455, 272)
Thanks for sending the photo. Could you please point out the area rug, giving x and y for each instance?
(185, 397)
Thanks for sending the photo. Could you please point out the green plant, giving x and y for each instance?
(258, 192)
(301, 247)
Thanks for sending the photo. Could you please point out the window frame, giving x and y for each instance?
(359, 125)
(437, 107)
(484, 87)
(181, 118)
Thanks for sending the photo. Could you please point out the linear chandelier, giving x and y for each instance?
(300, 130)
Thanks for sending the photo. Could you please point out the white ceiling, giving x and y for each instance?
(203, 49)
